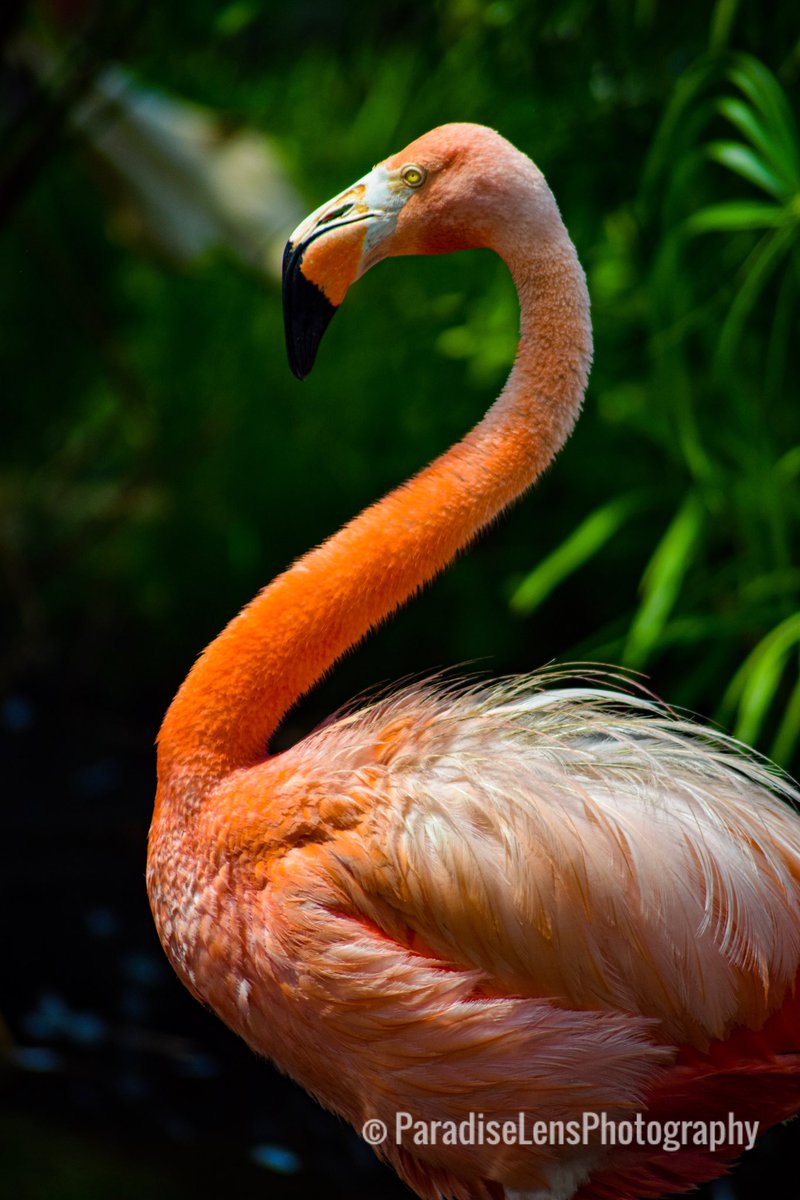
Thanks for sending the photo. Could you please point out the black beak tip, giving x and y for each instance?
(307, 312)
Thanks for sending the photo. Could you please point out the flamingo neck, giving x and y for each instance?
(296, 628)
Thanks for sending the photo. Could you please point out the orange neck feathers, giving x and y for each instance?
(296, 628)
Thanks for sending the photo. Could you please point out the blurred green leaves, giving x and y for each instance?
(767, 160)
(662, 581)
(744, 323)
(591, 535)
(753, 690)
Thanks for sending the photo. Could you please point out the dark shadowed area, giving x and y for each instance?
(159, 463)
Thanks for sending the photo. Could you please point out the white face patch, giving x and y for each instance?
(385, 193)
(376, 199)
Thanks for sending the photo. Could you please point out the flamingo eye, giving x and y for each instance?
(413, 175)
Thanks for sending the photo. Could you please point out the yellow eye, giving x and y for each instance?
(413, 175)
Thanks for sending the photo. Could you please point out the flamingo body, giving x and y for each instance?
(508, 899)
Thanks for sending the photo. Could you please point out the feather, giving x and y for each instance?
(575, 842)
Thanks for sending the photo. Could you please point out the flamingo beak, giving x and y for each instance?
(328, 252)
(307, 312)
(319, 264)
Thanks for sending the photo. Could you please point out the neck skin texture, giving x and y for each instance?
(296, 628)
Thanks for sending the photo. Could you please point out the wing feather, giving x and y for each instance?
(574, 843)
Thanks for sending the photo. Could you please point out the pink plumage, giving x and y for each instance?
(529, 900)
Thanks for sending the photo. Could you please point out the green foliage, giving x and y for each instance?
(753, 688)
(582, 544)
(164, 464)
(663, 580)
(726, 316)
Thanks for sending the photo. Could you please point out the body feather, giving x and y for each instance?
(502, 899)
(579, 843)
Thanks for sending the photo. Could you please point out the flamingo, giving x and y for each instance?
(521, 900)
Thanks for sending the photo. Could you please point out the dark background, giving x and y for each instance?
(159, 463)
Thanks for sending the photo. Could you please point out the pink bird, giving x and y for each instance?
(518, 902)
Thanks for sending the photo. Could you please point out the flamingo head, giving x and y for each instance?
(456, 188)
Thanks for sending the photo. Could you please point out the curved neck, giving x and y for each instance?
(296, 628)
